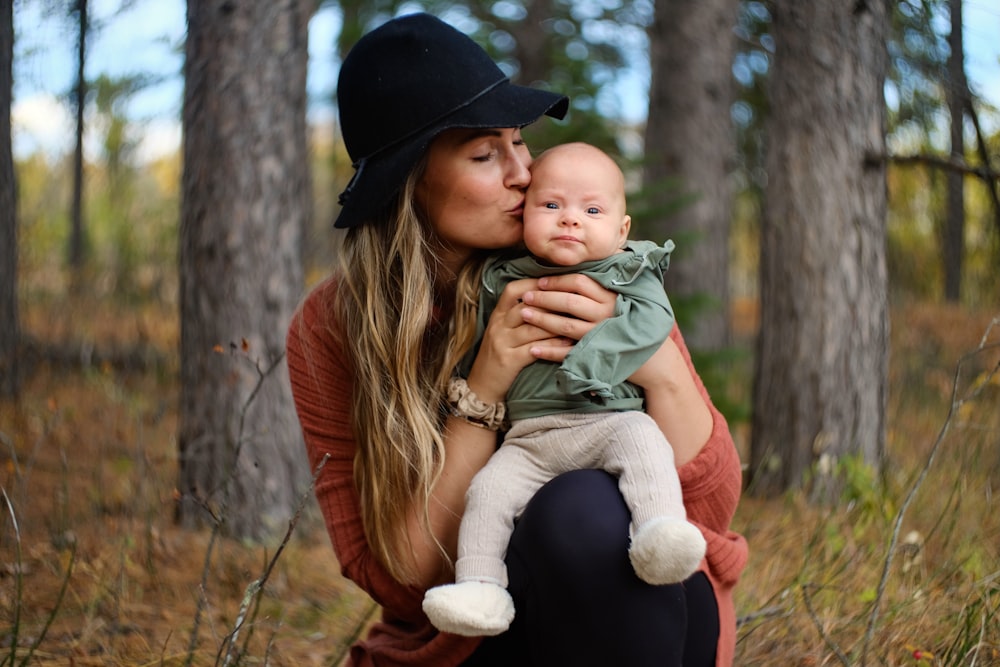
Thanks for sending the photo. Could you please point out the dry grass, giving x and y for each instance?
(88, 464)
(814, 577)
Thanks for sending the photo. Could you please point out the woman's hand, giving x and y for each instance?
(536, 319)
(567, 307)
(506, 345)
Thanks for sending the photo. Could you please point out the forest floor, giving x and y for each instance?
(93, 570)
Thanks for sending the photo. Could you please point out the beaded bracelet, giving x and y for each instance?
(464, 403)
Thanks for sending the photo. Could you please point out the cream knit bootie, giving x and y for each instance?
(666, 550)
(471, 608)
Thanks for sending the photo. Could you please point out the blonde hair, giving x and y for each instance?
(403, 353)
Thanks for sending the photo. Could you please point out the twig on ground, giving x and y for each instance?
(956, 403)
(255, 587)
(807, 599)
(19, 591)
(356, 634)
(218, 518)
(18, 582)
(202, 597)
(766, 612)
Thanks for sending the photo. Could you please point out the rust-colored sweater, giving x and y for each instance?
(322, 381)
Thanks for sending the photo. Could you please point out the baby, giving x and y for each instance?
(582, 413)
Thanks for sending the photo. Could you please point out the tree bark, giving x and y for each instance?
(245, 203)
(690, 137)
(10, 332)
(954, 224)
(821, 378)
(532, 39)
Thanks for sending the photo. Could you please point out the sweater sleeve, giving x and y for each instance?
(322, 384)
(712, 483)
(614, 349)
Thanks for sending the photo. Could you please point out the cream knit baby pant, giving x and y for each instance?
(628, 445)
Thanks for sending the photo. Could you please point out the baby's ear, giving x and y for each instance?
(623, 233)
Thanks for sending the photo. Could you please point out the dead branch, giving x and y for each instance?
(984, 155)
(85, 354)
(984, 173)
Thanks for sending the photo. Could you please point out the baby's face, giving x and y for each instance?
(575, 206)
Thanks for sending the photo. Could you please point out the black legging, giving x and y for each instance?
(578, 600)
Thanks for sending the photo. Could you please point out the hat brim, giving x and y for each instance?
(380, 178)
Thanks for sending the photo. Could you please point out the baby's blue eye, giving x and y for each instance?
(551, 205)
(593, 210)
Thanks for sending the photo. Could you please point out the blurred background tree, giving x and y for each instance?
(10, 322)
(246, 199)
(820, 383)
(690, 151)
(78, 233)
(587, 50)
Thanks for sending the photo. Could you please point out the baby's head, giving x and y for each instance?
(575, 207)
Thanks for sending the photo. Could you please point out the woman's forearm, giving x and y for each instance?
(468, 448)
(674, 401)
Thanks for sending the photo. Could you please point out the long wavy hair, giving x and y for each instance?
(405, 338)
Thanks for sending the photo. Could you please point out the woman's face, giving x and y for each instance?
(472, 190)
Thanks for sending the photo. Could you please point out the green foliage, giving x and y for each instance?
(982, 611)
(918, 51)
(755, 48)
(913, 246)
(43, 210)
(652, 203)
(585, 49)
(864, 492)
(132, 227)
(727, 375)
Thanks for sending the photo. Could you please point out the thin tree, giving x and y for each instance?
(820, 384)
(77, 232)
(10, 333)
(245, 203)
(119, 143)
(690, 138)
(956, 92)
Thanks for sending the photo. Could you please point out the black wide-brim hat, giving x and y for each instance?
(404, 83)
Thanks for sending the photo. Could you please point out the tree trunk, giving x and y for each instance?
(532, 38)
(954, 224)
(76, 234)
(821, 378)
(10, 332)
(690, 137)
(245, 203)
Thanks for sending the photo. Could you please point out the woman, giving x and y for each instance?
(433, 125)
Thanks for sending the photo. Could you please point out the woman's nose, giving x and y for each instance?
(518, 175)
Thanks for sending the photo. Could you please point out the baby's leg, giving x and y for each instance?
(665, 547)
(478, 603)
(497, 495)
(639, 455)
